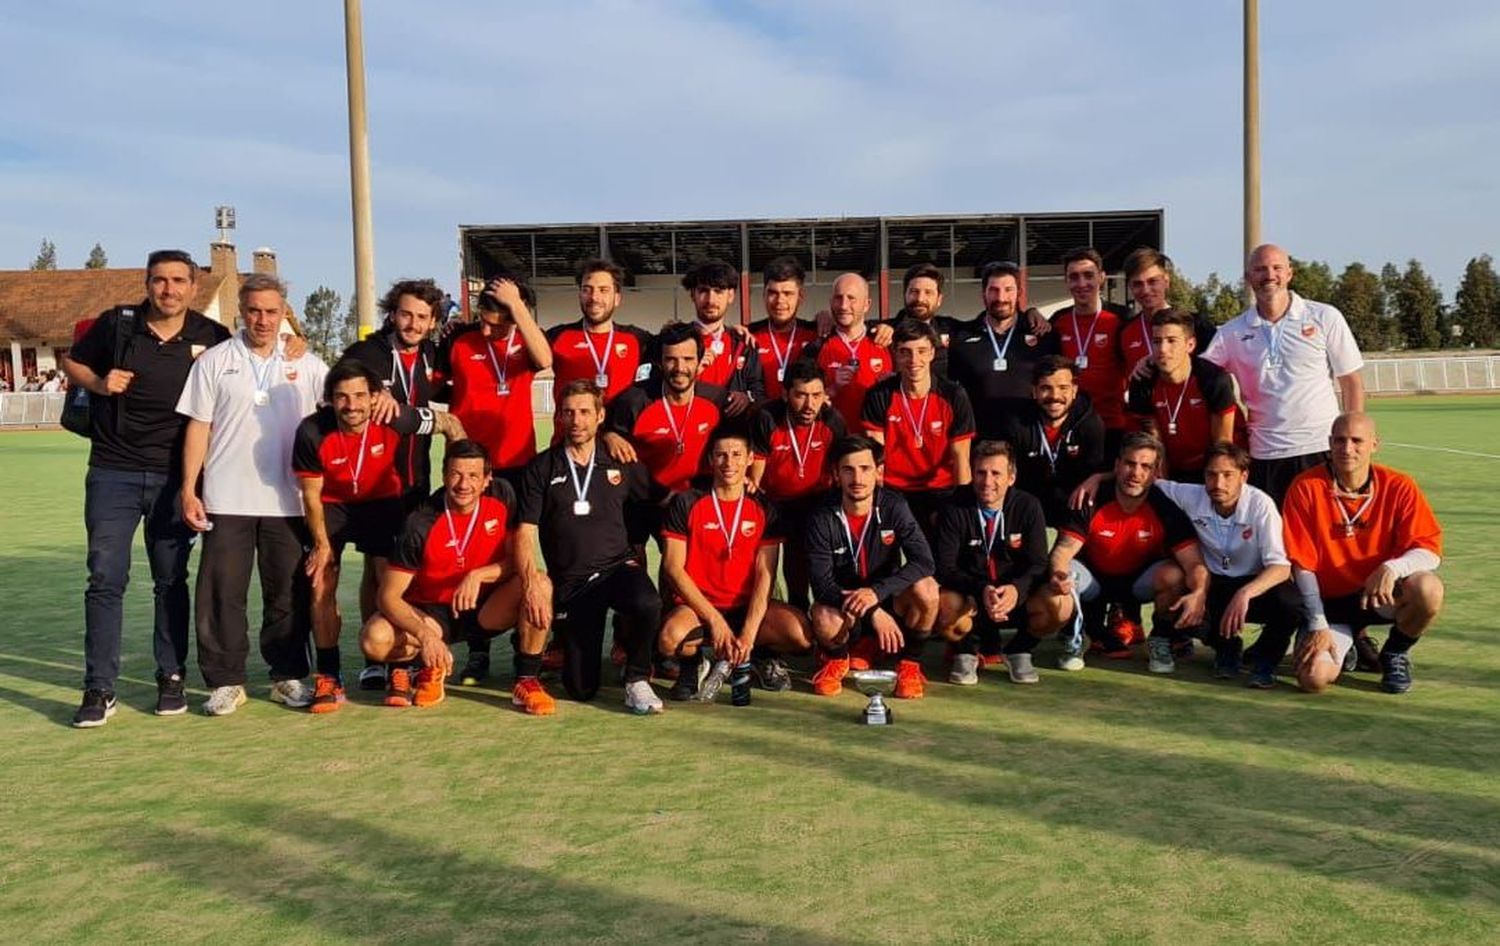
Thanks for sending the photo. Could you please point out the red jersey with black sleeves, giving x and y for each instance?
(850, 370)
(1122, 544)
(1183, 412)
(779, 348)
(438, 546)
(623, 353)
(1092, 341)
(731, 361)
(918, 431)
(491, 378)
(796, 457)
(355, 468)
(671, 440)
(1135, 338)
(723, 539)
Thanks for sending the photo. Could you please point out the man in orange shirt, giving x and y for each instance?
(1364, 547)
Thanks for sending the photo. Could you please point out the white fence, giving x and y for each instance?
(31, 408)
(1443, 373)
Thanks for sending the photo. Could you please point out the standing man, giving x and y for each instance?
(871, 573)
(925, 425)
(1148, 278)
(850, 360)
(244, 399)
(991, 549)
(720, 557)
(134, 361)
(1058, 439)
(791, 440)
(1288, 355)
(1365, 548)
(995, 356)
(1186, 403)
(781, 337)
(573, 500)
(922, 294)
(1088, 332)
(599, 349)
(730, 358)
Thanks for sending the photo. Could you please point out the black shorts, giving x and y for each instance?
(1275, 476)
(371, 526)
(1348, 610)
(455, 629)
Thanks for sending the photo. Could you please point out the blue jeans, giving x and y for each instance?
(115, 503)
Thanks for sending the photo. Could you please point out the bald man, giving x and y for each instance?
(850, 360)
(1294, 359)
(1364, 547)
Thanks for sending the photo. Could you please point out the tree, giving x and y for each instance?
(1312, 279)
(1477, 303)
(97, 259)
(46, 257)
(326, 323)
(1222, 301)
(1359, 295)
(1183, 294)
(1418, 306)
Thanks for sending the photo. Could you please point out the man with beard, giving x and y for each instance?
(720, 557)
(995, 356)
(850, 359)
(1148, 278)
(792, 438)
(611, 355)
(1088, 332)
(1058, 439)
(922, 294)
(1132, 544)
(781, 337)
(573, 502)
(730, 359)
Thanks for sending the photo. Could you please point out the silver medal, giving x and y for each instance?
(261, 398)
(601, 380)
(998, 364)
(581, 507)
(1083, 362)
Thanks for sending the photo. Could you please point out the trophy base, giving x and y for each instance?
(876, 714)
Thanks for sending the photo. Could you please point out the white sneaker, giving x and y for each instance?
(640, 699)
(1020, 668)
(1070, 661)
(293, 693)
(1159, 655)
(224, 700)
(965, 672)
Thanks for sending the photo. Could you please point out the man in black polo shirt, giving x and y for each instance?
(134, 474)
(573, 499)
(995, 356)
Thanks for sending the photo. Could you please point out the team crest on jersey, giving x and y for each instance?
(1072, 449)
(1101, 339)
(1308, 331)
(1015, 540)
(887, 537)
(877, 364)
(747, 529)
(613, 477)
(740, 362)
(1143, 535)
(621, 349)
(377, 450)
(944, 337)
(291, 374)
(1247, 533)
(1030, 340)
(491, 526)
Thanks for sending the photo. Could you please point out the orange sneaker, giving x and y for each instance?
(992, 660)
(328, 693)
(1129, 633)
(398, 687)
(862, 652)
(429, 690)
(911, 684)
(532, 697)
(829, 680)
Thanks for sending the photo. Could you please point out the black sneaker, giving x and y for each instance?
(1227, 660)
(685, 687)
(772, 675)
(1262, 675)
(476, 669)
(171, 696)
(98, 706)
(372, 677)
(1366, 654)
(1395, 673)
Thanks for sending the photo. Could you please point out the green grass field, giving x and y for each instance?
(1103, 807)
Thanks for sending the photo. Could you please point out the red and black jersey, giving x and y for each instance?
(1135, 338)
(796, 458)
(626, 358)
(491, 378)
(849, 371)
(721, 554)
(439, 548)
(411, 377)
(975, 548)
(356, 468)
(1122, 544)
(670, 440)
(918, 431)
(1093, 342)
(780, 348)
(1182, 413)
(731, 361)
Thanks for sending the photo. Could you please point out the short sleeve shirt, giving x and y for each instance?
(796, 457)
(1183, 412)
(491, 396)
(1239, 545)
(355, 468)
(918, 432)
(439, 547)
(722, 541)
(1122, 544)
(622, 354)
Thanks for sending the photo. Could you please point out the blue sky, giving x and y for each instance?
(127, 123)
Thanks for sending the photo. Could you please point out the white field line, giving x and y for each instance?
(1462, 453)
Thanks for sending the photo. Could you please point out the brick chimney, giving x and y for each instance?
(264, 260)
(223, 262)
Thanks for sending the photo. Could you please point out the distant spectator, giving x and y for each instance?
(53, 383)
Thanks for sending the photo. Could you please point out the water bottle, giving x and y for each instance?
(739, 686)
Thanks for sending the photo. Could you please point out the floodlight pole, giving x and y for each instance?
(359, 169)
(1252, 126)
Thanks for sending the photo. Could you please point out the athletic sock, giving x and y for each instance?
(328, 660)
(1398, 642)
(528, 665)
(840, 652)
(1023, 643)
(479, 642)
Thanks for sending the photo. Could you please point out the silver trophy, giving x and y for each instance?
(875, 684)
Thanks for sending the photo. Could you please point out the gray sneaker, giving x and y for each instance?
(965, 672)
(1020, 668)
(293, 693)
(1159, 655)
(708, 689)
(224, 700)
(772, 674)
(640, 699)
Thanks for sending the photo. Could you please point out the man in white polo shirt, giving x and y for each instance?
(1287, 353)
(1239, 531)
(244, 399)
